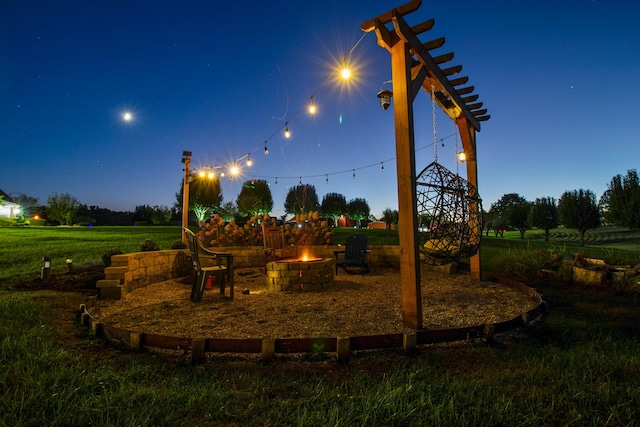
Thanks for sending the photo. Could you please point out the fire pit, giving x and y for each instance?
(304, 273)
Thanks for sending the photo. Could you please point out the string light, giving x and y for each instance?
(382, 166)
(326, 178)
(266, 150)
(249, 162)
(345, 71)
(354, 174)
(312, 106)
(276, 181)
(287, 134)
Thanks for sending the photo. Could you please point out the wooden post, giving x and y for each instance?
(407, 200)
(468, 137)
(185, 193)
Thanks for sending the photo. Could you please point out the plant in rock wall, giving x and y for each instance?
(233, 235)
(210, 231)
(309, 230)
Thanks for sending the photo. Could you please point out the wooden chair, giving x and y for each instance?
(354, 253)
(274, 247)
(208, 263)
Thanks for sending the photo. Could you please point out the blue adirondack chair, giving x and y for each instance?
(354, 254)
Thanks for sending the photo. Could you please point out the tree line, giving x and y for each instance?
(619, 205)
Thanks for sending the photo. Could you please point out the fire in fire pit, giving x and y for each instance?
(303, 273)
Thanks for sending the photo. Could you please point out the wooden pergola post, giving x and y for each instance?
(412, 68)
(406, 168)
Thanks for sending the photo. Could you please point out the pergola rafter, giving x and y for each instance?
(414, 68)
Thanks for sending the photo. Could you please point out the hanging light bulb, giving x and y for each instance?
(326, 178)
(382, 166)
(266, 150)
(287, 134)
(249, 162)
(300, 182)
(276, 181)
(312, 106)
(202, 173)
(354, 174)
(345, 72)
(211, 175)
(222, 174)
(462, 157)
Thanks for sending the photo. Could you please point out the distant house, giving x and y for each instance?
(8, 208)
(380, 224)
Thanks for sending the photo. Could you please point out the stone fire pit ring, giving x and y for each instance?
(299, 275)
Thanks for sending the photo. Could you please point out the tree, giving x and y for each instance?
(160, 215)
(620, 203)
(300, 199)
(499, 225)
(544, 214)
(358, 209)
(578, 209)
(255, 198)
(205, 195)
(228, 211)
(333, 206)
(62, 208)
(515, 209)
(28, 204)
(390, 217)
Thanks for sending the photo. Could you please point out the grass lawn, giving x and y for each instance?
(580, 368)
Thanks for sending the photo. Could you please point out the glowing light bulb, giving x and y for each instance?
(287, 134)
(201, 174)
(127, 116)
(312, 108)
(462, 157)
(345, 71)
(211, 175)
(249, 162)
(234, 170)
(266, 150)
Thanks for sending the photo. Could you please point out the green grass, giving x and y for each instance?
(22, 248)
(580, 368)
(577, 370)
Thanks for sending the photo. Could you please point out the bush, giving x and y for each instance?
(149, 245)
(308, 230)
(106, 258)
(178, 244)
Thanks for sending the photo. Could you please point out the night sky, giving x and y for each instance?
(559, 78)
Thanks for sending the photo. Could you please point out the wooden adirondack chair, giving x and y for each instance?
(354, 254)
(274, 247)
(208, 263)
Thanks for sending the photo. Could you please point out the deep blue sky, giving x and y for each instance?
(559, 78)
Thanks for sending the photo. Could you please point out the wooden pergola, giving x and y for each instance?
(413, 68)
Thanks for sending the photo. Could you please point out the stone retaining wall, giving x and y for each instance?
(138, 269)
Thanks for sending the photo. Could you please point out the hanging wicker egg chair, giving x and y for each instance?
(449, 215)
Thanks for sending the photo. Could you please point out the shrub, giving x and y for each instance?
(308, 230)
(149, 245)
(178, 244)
(106, 258)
